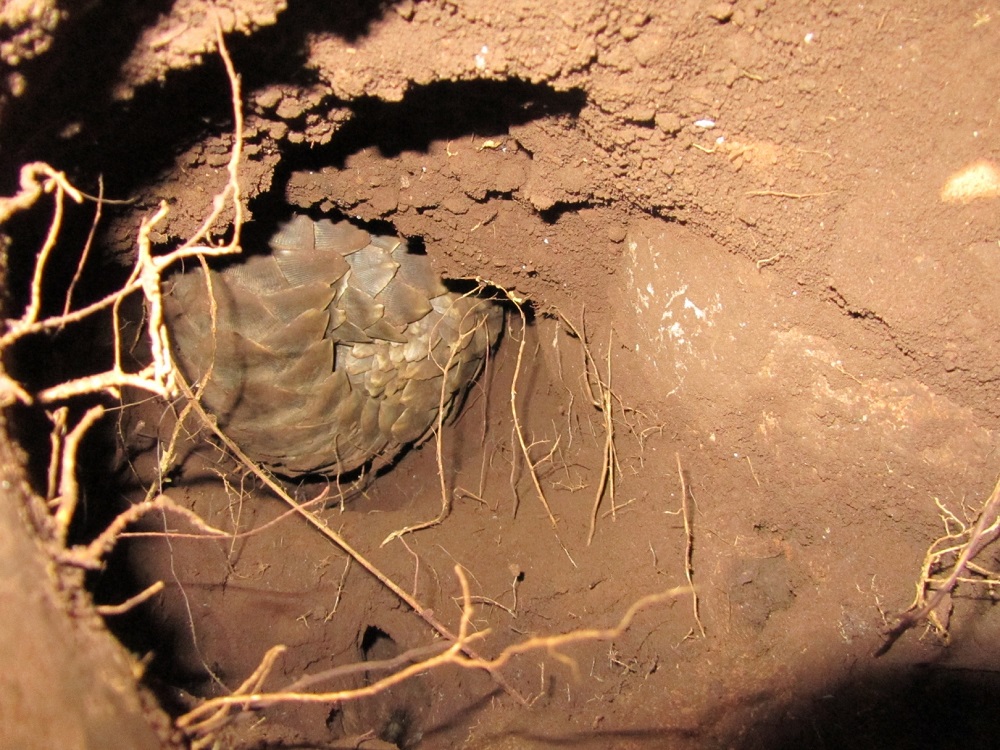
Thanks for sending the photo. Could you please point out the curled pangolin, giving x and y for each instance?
(336, 349)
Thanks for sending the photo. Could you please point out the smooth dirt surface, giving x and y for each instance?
(751, 212)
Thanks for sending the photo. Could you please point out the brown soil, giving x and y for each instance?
(745, 204)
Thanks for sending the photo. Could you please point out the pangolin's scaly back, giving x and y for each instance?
(336, 349)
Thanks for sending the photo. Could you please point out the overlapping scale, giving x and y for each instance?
(331, 352)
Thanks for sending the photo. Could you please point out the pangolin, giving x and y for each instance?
(334, 350)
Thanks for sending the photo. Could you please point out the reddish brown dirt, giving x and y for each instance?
(788, 304)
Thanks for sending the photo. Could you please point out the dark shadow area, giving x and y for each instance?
(446, 110)
(72, 80)
(147, 630)
(52, 356)
(128, 143)
(49, 357)
(652, 737)
(70, 118)
(896, 708)
(555, 213)
(376, 644)
(350, 21)
(900, 708)
(440, 111)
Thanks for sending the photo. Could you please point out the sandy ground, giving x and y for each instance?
(757, 213)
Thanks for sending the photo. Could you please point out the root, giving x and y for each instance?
(160, 377)
(954, 552)
(91, 556)
(518, 303)
(427, 615)
(445, 368)
(688, 545)
(601, 397)
(69, 488)
(518, 429)
(202, 722)
(111, 610)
